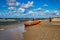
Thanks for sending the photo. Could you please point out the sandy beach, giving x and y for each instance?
(44, 31)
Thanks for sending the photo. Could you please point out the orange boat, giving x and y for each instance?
(31, 23)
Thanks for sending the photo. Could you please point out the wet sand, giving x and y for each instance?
(12, 32)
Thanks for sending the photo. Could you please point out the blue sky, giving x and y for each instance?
(29, 8)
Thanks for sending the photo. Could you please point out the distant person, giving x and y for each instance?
(50, 20)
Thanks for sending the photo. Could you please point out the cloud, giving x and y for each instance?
(11, 0)
(28, 5)
(36, 13)
(23, 7)
(45, 5)
(56, 12)
(38, 9)
(16, 14)
(11, 8)
(21, 10)
(31, 12)
(17, 3)
(13, 3)
(47, 11)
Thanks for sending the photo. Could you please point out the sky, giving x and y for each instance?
(29, 8)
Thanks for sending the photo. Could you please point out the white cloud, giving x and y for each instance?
(17, 3)
(11, 8)
(13, 3)
(16, 14)
(14, 11)
(47, 11)
(36, 13)
(45, 4)
(31, 12)
(55, 11)
(28, 5)
(37, 9)
(11, 0)
(21, 9)
(44, 11)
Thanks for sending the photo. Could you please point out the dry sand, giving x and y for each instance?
(56, 19)
(43, 31)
